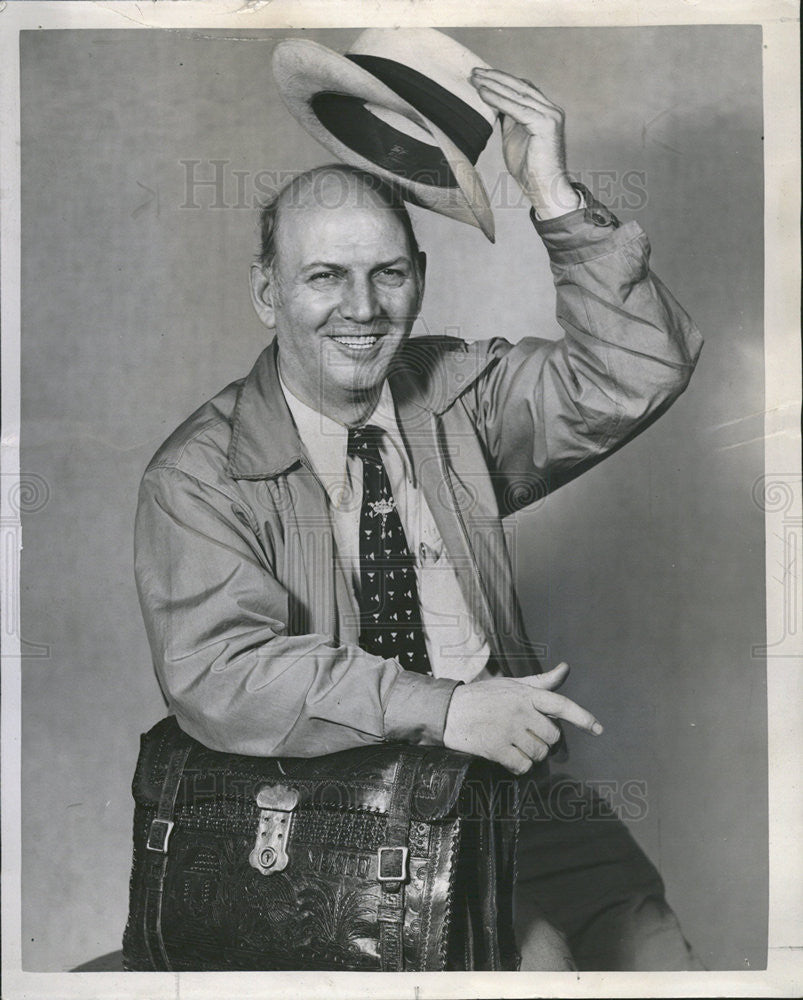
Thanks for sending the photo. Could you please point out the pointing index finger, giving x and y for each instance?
(561, 707)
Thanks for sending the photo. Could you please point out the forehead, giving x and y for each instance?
(338, 220)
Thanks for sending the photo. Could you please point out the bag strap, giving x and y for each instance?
(156, 864)
(511, 958)
(496, 879)
(393, 869)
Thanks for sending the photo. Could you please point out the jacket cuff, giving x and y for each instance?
(575, 236)
(416, 708)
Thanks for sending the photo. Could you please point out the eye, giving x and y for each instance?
(391, 276)
(322, 277)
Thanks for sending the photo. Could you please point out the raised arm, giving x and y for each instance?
(549, 410)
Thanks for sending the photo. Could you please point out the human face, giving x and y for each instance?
(343, 297)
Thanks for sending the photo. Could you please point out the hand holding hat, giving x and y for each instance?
(401, 104)
(533, 140)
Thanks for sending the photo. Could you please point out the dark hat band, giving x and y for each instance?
(467, 129)
(349, 121)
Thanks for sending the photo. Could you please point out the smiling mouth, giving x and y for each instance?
(358, 342)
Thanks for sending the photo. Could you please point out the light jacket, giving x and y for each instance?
(251, 622)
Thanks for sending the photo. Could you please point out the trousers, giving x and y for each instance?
(587, 897)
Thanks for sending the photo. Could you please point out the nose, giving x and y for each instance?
(359, 302)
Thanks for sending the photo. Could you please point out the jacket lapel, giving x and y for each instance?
(265, 445)
(422, 391)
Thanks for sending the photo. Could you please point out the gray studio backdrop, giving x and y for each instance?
(646, 574)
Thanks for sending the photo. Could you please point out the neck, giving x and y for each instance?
(349, 408)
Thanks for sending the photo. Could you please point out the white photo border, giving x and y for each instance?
(781, 485)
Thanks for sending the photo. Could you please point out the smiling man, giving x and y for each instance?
(319, 550)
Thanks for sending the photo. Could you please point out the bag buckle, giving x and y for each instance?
(392, 867)
(159, 835)
(276, 804)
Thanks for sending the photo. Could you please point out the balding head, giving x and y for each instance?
(332, 186)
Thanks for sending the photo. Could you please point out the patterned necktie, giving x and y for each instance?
(390, 615)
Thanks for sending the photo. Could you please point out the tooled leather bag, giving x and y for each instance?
(389, 857)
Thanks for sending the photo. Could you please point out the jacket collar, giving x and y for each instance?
(265, 441)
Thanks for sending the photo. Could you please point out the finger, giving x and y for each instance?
(531, 745)
(530, 96)
(550, 680)
(513, 87)
(514, 105)
(544, 728)
(561, 707)
(526, 110)
(515, 760)
(510, 103)
(518, 83)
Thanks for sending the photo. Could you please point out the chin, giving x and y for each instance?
(366, 378)
(370, 373)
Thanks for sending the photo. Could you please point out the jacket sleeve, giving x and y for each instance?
(216, 618)
(548, 410)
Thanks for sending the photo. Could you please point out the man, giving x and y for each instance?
(355, 481)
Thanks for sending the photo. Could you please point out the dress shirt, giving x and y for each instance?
(455, 647)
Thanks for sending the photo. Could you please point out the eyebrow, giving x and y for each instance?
(318, 265)
(322, 265)
(404, 259)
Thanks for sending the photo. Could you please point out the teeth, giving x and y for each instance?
(361, 343)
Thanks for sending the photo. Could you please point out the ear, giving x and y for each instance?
(422, 274)
(263, 293)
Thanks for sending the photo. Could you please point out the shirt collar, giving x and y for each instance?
(430, 373)
(326, 441)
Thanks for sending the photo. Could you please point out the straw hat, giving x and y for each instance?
(400, 104)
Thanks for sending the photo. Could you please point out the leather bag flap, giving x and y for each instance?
(359, 779)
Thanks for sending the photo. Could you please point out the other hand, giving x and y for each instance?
(532, 140)
(509, 719)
